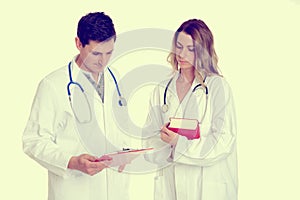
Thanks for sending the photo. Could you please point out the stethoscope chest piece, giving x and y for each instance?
(197, 93)
(122, 101)
(165, 108)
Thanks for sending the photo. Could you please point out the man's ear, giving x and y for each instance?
(78, 43)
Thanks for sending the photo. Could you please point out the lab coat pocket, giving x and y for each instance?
(215, 191)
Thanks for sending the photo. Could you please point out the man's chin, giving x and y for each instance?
(99, 69)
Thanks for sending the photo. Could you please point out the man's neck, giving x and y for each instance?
(82, 66)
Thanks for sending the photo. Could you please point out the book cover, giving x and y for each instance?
(185, 127)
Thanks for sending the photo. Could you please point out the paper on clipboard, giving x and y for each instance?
(123, 157)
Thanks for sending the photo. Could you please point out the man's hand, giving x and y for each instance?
(88, 164)
(107, 160)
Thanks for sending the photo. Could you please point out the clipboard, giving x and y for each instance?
(124, 157)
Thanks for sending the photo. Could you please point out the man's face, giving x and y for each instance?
(94, 56)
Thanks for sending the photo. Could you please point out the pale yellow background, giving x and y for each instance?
(257, 42)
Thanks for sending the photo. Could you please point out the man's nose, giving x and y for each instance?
(103, 59)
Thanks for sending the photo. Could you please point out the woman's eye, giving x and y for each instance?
(192, 49)
(178, 47)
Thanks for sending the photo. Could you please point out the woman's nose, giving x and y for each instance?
(183, 53)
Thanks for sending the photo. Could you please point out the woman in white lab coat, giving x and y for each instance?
(68, 138)
(204, 168)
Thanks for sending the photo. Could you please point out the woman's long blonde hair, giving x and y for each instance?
(206, 59)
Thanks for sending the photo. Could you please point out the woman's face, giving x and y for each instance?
(185, 51)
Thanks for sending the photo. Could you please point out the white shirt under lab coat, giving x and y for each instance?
(197, 169)
(52, 136)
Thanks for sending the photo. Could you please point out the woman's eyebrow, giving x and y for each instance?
(191, 45)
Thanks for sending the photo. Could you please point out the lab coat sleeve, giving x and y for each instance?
(220, 140)
(151, 131)
(39, 137)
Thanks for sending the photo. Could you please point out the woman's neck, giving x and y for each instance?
(187, 75)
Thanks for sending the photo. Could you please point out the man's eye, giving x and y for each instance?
(96, 53)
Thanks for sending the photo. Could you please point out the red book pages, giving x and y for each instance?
(185, 127)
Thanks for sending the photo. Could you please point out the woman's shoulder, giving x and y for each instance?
(217, 81)
(167, 80)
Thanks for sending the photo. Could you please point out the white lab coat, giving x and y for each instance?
(52, 137)
(204, 168)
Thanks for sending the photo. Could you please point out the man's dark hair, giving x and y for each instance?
(95, 26)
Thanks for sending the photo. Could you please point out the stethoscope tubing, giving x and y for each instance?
(122, 101)
(115, 80)
(194, 89)
(165, 106)
(72, 82)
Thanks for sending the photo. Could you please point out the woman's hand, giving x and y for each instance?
(168, 136)
(88, 164)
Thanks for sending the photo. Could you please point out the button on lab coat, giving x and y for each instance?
(197, 169)
(52, 136)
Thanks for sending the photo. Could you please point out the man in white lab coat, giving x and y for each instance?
(57, 134)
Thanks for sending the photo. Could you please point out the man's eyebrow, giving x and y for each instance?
(99, 52)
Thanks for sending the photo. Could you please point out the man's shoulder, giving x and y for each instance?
(58, 74)
(56, 78)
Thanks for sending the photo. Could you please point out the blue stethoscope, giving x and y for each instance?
(165, 106)
(122, 100)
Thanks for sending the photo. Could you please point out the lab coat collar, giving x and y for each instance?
(176, 76)
(76, 70)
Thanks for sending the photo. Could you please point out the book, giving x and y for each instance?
(123, 157)
(186, 127)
